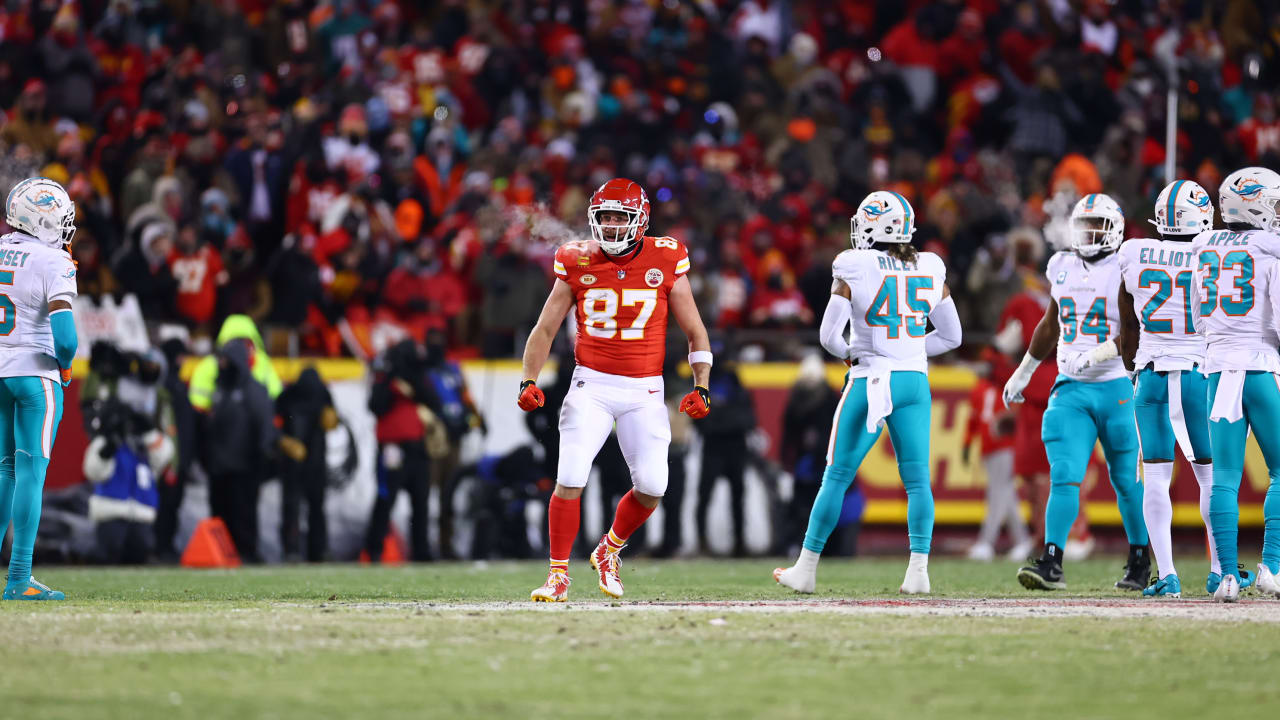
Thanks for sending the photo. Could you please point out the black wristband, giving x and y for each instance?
(524, 384)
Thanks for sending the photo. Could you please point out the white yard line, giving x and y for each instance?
(1254, 610)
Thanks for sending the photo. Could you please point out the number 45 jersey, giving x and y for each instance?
(621, 307)
(1088, 314)
(1160, 275)
(891, 301)
(1236, 285)
(32, 275)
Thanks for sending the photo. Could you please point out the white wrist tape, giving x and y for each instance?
(1028, 365)
(700, 356)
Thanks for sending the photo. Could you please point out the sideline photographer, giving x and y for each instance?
(126, 454)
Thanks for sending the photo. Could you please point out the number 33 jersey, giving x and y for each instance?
(32, 275)
(1236, 285)
(891, 301)
(621, 307)
(1088, 314)
(1160, 275)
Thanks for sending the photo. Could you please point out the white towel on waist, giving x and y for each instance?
(1228, 403)
(1177, 418)
(879, 396)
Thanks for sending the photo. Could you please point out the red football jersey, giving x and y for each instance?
(622, 306)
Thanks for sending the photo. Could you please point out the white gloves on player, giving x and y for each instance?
(1019, 380)
(1079, 363)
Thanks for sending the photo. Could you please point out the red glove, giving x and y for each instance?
(697, 404)
(65, 373)
(531, 398)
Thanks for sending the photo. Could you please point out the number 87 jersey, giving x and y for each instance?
(621, 303)
(1088, 312)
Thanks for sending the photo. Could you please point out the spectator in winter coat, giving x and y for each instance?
(724, 450)
(406, 407)
(306, 409)
(144, 271)
(204, 378)
(238, 441)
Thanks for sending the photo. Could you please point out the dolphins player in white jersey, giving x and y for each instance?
(886, 292)
(37, 344)
(1238, 288)
(1159, 339)
(1092, 399)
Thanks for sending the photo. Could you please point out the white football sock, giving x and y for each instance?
(1157, 511)
(808, 561)
(918, 560)
(1204, 477)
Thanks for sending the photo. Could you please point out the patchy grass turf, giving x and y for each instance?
(341, 641)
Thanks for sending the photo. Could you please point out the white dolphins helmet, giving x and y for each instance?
(884, 217)
(42, 209)
(1249, 196)
(1183, 208)
(1097, 225)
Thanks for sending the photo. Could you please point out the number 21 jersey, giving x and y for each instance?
(1160, 275)
(621, 307)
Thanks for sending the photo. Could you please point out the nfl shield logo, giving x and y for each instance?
(622, 274)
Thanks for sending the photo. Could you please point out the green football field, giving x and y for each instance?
(696, 639)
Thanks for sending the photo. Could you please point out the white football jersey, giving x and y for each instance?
(1088, 311)
(891, 301)
(1236, 289)
(32, 275)
(1160, 275)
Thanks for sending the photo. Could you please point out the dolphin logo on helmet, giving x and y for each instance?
(883, 217)
(42, 209)
(1248, 198)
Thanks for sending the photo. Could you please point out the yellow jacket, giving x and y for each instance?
(205, 377)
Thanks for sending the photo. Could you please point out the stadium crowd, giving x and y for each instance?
(329, 167)
(343, 171)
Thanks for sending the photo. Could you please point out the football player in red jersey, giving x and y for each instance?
(619, 284)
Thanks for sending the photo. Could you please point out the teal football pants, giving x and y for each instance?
(1079, 415)
(1151, 406)
(1261, 401)
(30, 410)
(909, 425)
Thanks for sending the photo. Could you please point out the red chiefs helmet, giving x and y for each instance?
(624, 196)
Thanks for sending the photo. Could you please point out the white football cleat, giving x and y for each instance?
(796, 578)
(916, 581)
(982, 552)
(1228, 591)
(1267, 584)
(606, 562)
(555, 589)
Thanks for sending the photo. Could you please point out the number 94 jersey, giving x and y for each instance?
(1160, 275)
(891, 301)
(621, 307)
(1088, 314)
